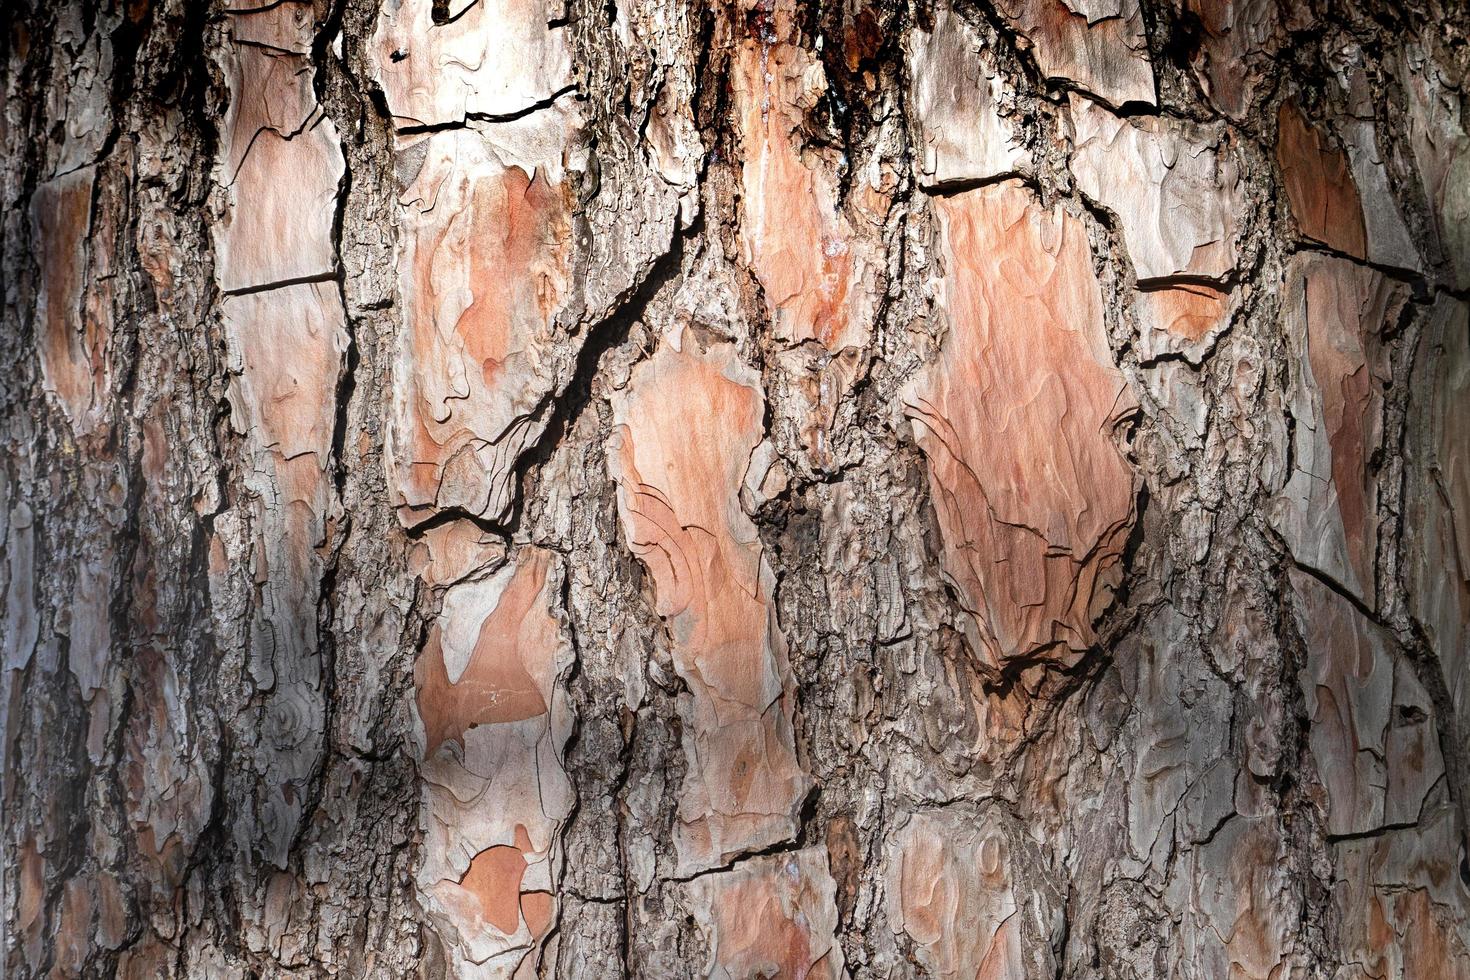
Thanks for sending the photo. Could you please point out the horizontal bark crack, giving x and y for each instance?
(487, 117)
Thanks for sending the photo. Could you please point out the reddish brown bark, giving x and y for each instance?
(942, 489)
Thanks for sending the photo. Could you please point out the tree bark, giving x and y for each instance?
(755, 489)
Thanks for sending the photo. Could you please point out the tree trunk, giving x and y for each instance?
(755, 489)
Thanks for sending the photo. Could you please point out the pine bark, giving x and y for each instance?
(756, 489)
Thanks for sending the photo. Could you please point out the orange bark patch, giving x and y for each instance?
(483, 273)
(1033, 498)
(754, 927)
(150, 959)
(72, 939)
(1428, 953)
(494, 878)
(686, 441)
(537, 909)
(773, 917)
(282, 204)
(1255, 935)
(511, 220)
(1335, 351)
(288, 345)
(32, 884)
(1188, 312)
(846, 859)
(112, 912)
(447, 553)
(269, 90)
(72, 339)
(1319, 185)
(508, 676)
(31, 901)
(950, 891)
(493, 802)
(686, 429)
(286, 348)
(1335, 311)
(796, 239)
(286, 27)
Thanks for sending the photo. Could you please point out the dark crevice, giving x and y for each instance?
(486, 117)
(952, 188)
(442, 516)
(1184, 280)
(563, 409)
(1420, 285)
(1343, 592)
(1379, 831)
(323, 277)
(790, 845)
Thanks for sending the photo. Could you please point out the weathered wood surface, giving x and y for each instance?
(514, 488)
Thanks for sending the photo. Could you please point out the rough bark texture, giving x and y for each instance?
(491, 488)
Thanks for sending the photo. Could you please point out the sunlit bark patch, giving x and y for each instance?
(1098, 45)
(287, 26)
(1182, 319)
(286, 348)
(485, 57)
(949, 892)
(483, 269)
(815, 270)
(494, 883)
(280, 171)
(686, 427)
(956, 95)
(744, 490)
(506, 676)
(1174, 188)
(280, 160)
(270, 87)
(770, 917)
(1188, 312)
(1015, 417)
(495, 722)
